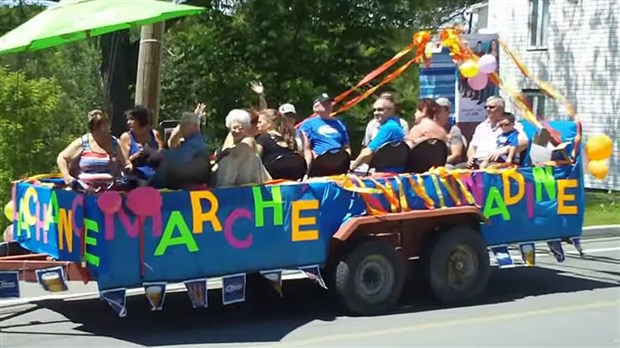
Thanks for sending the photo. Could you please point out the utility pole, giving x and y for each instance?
(149, 68)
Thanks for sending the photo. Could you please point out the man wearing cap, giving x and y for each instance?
(185, 162)
(456, 141)
(323, 133)
(288, 111)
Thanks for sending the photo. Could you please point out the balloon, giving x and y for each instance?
(598, 169)
(487, 63)
(478, 82)
(8, 210)
(599, 147)
(469, 69)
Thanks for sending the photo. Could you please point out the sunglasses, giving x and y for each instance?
(379, 109)
(490, 106)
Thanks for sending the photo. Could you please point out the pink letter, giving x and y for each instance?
(78, 203)
(228, 229)
(529, 196)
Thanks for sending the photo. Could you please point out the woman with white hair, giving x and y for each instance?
(239, 162)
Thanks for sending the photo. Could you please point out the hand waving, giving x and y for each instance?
(257, 87)
(200, 109)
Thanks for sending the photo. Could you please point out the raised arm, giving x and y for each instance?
(257, 87)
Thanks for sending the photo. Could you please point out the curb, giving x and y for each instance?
(602, 227)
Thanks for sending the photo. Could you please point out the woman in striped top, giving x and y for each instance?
(98, 155)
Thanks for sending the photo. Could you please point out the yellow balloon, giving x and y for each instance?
(599, 147)
(598, 169)
(469, 69)
(8, 210)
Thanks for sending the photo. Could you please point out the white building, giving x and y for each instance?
(575, 46)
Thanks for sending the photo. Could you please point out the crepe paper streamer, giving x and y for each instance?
(176, 222)
(387, 193)
(420, 191)
(260, 205)
(404, 205)
(444, 177)
(543, 176)
(373, 206)
(442, 202)
(544, 86)
(494, 205)
(144, 201)
(577, 141)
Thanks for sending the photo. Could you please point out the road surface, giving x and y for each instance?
(576, 303)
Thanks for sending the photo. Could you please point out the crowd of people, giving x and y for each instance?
(259, 138)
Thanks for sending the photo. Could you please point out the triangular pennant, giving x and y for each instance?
(52, 279)
(502, 255)
(233, 288)
(576, 242)
(197, 292)
(116, 299)
(156, 294)
(556, 248)
(9, 284)
(528, 253)
(275, 278)
(314, 273)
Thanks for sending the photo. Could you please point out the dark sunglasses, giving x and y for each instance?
(379, 109)
(490, 106)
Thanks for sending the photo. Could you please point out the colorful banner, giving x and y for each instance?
(233, 288)
(197, 292)
(9, 284)
(116, 299)
(469, 102)
(52, 279)
(145, 235)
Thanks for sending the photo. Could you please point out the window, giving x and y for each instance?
(539, 23)
(537, 101)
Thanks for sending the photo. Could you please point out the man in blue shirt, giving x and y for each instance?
(188, 163)
(390, 131)
(323, 133)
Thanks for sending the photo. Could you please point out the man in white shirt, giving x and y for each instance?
(483, 143)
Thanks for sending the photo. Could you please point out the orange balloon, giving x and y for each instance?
(599, 147)
(598, 169)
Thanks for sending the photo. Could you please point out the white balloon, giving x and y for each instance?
(487, 64)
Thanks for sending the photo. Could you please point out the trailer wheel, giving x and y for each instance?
(458, 265)
(369, 280)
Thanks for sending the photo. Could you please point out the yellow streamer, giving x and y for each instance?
(404, 205)
(421, 192)
(442, 203)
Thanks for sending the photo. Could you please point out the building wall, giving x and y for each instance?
(582, 61)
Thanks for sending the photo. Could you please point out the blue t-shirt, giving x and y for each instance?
(325, 134)
(510, 138)
(389, 132)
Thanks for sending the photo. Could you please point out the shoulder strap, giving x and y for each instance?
(115, 144)
(85, 143)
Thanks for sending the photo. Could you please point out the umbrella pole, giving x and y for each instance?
(149, 68)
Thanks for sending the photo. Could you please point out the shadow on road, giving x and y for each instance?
(266, 317)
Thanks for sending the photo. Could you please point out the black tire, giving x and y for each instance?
(458, 265)
(369, 279)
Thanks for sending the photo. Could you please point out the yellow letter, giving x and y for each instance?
(65, 227)
(30, 219)
(298, 221)
(199, 218)
(518, 178)
(563, 197)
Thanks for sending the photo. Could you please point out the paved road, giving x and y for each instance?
(576, 303)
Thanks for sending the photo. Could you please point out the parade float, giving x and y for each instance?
(357, 235)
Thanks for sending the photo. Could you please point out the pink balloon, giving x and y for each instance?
(479, 81)
(487, 64)
(109, 202)
(144, 201)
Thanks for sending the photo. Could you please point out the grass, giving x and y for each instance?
(602, 208)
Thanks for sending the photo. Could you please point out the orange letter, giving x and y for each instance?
(65, 227)
(563, 197)
(298, 221)
(200, 217)
(509, 199)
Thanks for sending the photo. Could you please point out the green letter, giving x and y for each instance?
(90, 225)
(176, 221)
(260, 205)
(495, 197)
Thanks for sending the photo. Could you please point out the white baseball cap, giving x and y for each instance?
(287, 108)
(444, 102)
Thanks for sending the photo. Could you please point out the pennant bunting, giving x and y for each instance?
(233, 288)
(275, 278)
(197, 292)
(156, 294)
(576, 242)
(556, 248)
(116, 299)
(52, 279)
(502, 255)
(9, 284)
(528, 254)
(314, 273)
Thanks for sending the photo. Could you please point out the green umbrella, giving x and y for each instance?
(73, 20)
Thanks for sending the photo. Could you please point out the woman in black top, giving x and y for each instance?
(276, 146)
